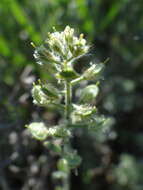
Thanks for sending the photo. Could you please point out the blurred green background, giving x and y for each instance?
(114, 29)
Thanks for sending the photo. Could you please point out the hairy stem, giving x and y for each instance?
(67, 99)
(76, 81)
(68, 96)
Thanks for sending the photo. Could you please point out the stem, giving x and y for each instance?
(67, 99)
(66, 180)
(66, 185)
(68, 96)
(76, 81)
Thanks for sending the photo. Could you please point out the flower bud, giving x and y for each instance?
(41, 54)
(69, 33)
(54, 42)
(61, 46)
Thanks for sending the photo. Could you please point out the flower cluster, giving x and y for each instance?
(62, 48)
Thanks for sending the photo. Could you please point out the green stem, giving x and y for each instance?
(67, 99)
(66, 185)
(76, 81)
(66, 180)
(68, 96)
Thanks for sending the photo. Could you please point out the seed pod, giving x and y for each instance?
(38, 130)
(89, 93)
(73, 160)
(45, 94)
(50, 91)
(93, 71)
(63, 165)
(82, 113)
(53, 146)
(39, 97)
(58, 131)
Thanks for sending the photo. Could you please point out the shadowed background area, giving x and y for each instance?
(114, 29)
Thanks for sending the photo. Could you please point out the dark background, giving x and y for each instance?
(114, 29)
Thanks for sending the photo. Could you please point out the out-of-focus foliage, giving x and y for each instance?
(115, 30)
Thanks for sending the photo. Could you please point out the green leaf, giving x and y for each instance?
(4, 47)
(67, 75)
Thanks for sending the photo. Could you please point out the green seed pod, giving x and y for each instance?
(50, 91)
(63, 165)
(45, 94)
(53, 146)
(82, 113)
(39, 97)
(73, 160)
(89, 93)
(58, 131)
(38, 130)
(93, 71)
